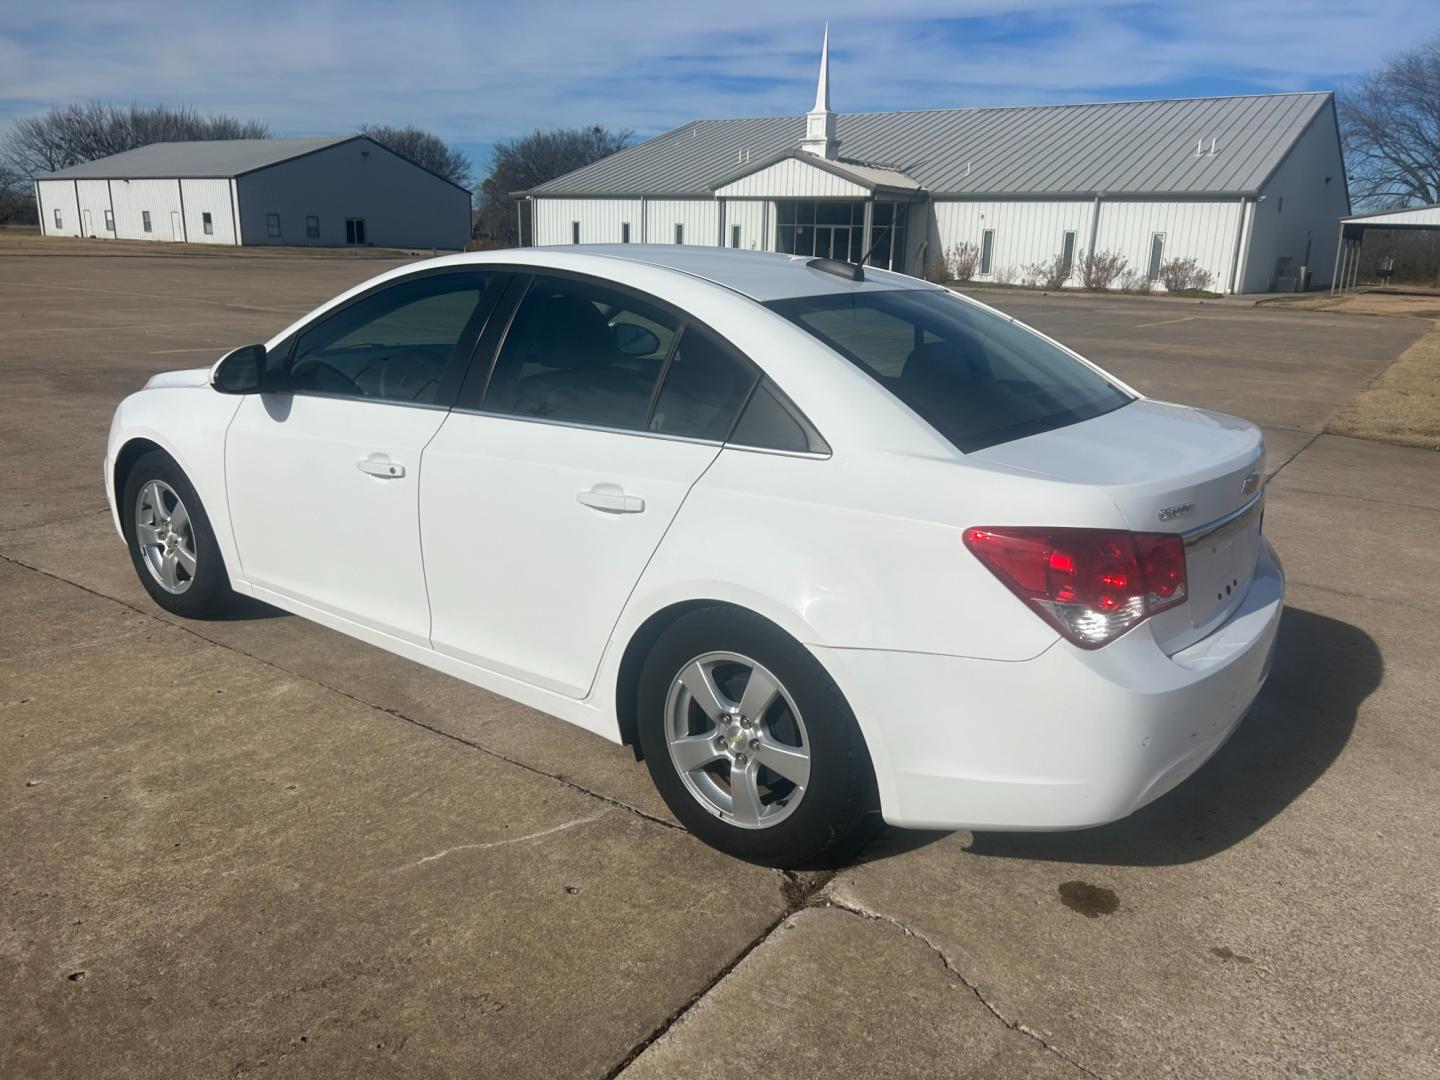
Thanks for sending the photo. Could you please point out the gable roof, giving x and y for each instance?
(1118, 148)
(216, 159)
(870, 177)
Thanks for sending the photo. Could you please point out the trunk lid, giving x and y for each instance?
(1168, 469)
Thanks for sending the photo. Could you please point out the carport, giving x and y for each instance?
(1352, 236)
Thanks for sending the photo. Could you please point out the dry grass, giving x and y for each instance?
(1417, 305)
(1402, 405)
(16, 240)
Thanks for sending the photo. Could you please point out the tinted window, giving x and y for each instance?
(978, 378)
(705, 385)
(770, 422)
(393, 345)
(583, 353)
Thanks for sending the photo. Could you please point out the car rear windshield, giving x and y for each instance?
(977, 377)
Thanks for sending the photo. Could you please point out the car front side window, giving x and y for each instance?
(393, 345)
(581, 353)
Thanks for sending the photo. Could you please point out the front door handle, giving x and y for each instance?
(380, 465)
(611, 499)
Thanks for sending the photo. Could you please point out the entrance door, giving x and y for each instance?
(832, 242)
(177, 230)
(355, 230)
(87, 229)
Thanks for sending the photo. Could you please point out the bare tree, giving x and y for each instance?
(17, 198)
(963, 260)
(1390, 122)
(521, 164)
(70, 134)
(425, 149)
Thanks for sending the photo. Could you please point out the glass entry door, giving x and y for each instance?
(832, 242)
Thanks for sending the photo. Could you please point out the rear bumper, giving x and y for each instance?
(1066, 740)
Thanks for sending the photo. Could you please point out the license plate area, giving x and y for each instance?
(1220, 560)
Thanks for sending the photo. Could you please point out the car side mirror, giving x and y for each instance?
(240, 371)
(634, 340)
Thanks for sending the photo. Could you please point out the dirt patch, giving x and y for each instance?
(1417, 305)
(1402, 405)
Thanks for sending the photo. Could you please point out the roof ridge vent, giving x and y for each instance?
(1213, 150)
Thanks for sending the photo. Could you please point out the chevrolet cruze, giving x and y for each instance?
(815, 541)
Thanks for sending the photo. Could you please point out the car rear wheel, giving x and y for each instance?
(751, 743)
(170, 539)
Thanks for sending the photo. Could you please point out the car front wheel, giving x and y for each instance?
(751, 743)
(170, 539)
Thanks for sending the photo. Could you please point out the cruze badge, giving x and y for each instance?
(1251, 483)
(1170, 513)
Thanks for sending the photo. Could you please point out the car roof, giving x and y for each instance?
(760, 275)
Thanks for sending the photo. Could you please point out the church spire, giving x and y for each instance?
(820, 123)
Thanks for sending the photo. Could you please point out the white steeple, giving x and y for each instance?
(820, 122)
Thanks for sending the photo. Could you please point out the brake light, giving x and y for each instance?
(1090, 584)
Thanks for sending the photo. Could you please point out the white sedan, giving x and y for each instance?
(816, 542)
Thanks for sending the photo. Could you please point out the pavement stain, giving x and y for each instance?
(1224, 952)
(1092, 901)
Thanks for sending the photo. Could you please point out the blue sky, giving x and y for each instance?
(475, 71)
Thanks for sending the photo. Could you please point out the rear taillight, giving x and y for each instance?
(1090, 584)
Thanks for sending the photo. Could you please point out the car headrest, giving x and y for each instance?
(938, 366)
(566, 332)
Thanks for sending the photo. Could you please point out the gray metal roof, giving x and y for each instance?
(214, 159)
(1119, 148)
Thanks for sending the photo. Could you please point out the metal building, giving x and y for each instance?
(1251, 187)
(322, 192)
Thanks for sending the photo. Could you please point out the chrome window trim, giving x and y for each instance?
(1231, 522)
(356, 397)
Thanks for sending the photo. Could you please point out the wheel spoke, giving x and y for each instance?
(179, 518)
(155, 497)
(148, 535)
(745, 795)
(791, 762)
(760, 691)
(187, 560)
(694, 752)
(703, 689)
(167, 569)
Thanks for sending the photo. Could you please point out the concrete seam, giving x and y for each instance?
(854, 908)
(396, 713)
(1309, 443)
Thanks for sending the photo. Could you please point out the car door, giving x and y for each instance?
(553, 481)
(322, 470)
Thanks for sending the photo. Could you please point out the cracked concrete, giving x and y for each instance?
(253, 845)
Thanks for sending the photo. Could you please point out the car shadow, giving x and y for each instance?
(245, 608)
(1324, 669)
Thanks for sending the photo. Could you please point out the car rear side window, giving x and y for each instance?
(393, 345)
(705, 385)
(975, 376)
(582, 353)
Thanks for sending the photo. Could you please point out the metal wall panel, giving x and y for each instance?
(601, 220)
(95, 198)
(59, 195)
(212, 197)
(701, 218)
(1026, 232)
(1203, 230)
(756, 218)
(134, 197)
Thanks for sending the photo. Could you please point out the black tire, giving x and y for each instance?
(206, 593)
(838, 809)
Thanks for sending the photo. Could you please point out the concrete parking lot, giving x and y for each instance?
(256, 846)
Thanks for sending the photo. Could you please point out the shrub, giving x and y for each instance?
(1099, 271)
(1135, 282)
(1004, 275)
(1178, 275)
(963, 259)
(937, 270)
(1049, 275)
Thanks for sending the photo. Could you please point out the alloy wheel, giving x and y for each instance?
(737, 740)
(165, 536)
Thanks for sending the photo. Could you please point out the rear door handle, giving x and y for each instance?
(380, 465)
(611, 499)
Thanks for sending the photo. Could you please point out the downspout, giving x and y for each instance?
(110, 195)
(39, 208)
(1239, 247)
(644, 220)
(1245, 229)
(1335, 270)
(184, 225)
(79, 215)
(519, 223)
(869, 225)
(720, 214)
(1094, 228)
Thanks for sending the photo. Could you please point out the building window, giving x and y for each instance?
(312, 227)
(272, 226)
(987, 250)
(625, 232)
(734, 236)
(207, 223)
(679, 233)
(110, 220)
(145, 220)
(57, 220)
(574, 232)
(1157, 255)
(1067, 255)
(355, 230)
